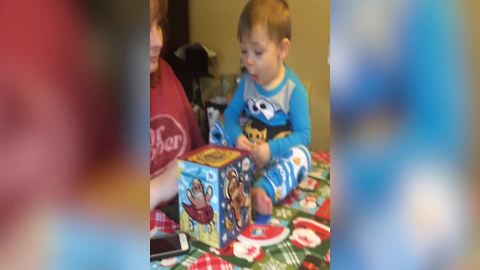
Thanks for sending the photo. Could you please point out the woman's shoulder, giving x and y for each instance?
(164, 67)
(166, 76)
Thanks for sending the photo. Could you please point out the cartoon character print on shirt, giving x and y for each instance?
(258, 132)
(167, 141)
(255, 135)
(261, 107)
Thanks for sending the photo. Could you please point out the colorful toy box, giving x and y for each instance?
(214, 194)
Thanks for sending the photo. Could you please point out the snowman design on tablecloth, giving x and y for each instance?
(309, 184)
(247, 251)
(254, 237)
(308, 233)
(309, 202)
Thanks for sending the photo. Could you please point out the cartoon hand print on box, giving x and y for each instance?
(199, 209)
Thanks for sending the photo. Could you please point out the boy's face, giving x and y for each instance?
(263, 57)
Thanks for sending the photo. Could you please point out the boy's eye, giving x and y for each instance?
(258, 53)
(244, 51)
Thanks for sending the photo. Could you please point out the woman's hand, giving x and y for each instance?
(164, 186)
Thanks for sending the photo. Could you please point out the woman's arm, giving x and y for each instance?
(164, 187)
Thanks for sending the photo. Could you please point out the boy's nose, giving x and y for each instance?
(248, 62)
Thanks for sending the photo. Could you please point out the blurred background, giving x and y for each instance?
(404, 133)
(74, 137)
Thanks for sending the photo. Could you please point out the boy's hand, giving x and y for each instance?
(261, 155)
(244, 144)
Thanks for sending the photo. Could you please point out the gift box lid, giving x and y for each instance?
(214, 156)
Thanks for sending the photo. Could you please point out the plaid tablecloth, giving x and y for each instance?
(305, 212)
(161, 224)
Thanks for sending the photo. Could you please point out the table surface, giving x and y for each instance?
(297, 236)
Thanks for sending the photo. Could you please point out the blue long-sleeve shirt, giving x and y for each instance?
(284, 106)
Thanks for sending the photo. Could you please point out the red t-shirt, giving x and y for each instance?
(174, 129)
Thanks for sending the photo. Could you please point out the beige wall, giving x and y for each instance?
(472, 35)
(214, 23)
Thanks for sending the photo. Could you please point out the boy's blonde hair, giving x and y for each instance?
(273, 14)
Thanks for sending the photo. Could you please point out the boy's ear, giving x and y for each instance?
(284, 47)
